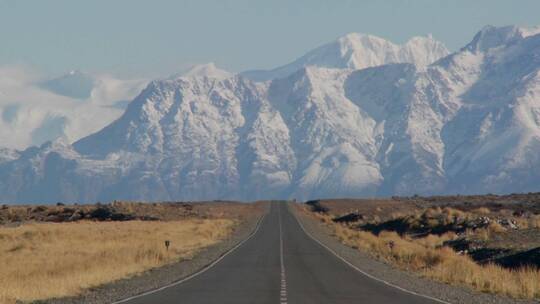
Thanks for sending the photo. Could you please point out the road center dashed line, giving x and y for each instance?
(283, 290)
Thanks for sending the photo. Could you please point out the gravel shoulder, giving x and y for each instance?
(409, 281)
(157, 277)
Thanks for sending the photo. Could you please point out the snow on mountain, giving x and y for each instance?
(358, 51)
(207, 70)
(332, 159)
(467, 123)
(500, 119)
(189, 133)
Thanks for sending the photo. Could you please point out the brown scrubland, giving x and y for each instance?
(488, 245)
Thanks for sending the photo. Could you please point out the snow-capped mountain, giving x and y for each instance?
(468, 122)
(358, 51)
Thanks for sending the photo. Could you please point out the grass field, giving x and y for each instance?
(44, 260)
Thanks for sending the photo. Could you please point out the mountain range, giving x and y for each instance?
(360, 116)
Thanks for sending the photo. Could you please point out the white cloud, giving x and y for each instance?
(31, 114)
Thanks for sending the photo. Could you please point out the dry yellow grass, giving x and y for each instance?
(534, 221)
(528, 223)
(53, 260)
(427, 257)
(482, 210)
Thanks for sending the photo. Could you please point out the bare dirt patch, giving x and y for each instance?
(124, 211)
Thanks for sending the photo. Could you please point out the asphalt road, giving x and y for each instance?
(280, 264)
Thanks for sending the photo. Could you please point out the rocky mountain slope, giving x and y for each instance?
(367, 118)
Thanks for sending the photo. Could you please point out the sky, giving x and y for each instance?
(151, 38)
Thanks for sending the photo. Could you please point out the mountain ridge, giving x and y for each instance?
(467, 122)
(357, 51)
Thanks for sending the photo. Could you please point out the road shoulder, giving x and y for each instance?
(391, 275)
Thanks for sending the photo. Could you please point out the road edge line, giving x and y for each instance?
(201, 271)
(363, 272)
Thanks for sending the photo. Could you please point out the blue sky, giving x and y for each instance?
(161, 37)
